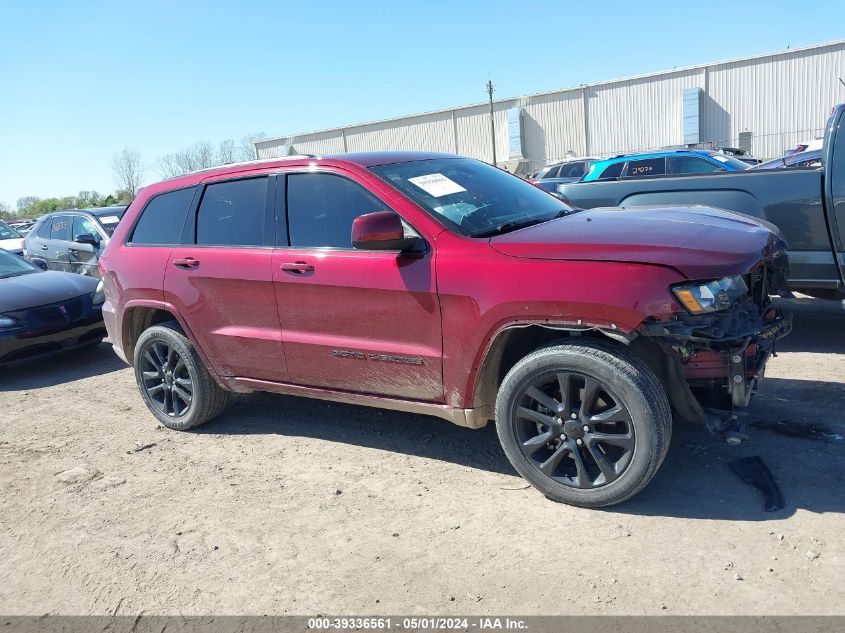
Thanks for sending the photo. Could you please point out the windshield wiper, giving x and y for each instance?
(514, 225)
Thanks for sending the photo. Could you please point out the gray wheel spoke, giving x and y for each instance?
(185, 383)
(607, 469)
(549, 466)
(155, 389)
(149, 375)
(625, 440)
(591, 392)
(541, 398)
(168, 402)
(536, 416)
(171, 355)
(564, 381)
(152, 359)
(583, 478)
(536, 443)
(614, 414)
(183, 395)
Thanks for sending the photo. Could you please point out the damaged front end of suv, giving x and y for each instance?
(714, 352)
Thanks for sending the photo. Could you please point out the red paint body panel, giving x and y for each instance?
(413, 327)
(701, 242)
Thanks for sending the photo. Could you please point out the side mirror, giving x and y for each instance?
(88, 238)
(381, 231)
(37, 261)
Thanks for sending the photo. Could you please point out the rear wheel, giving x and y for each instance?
(174, 384)
(585, 423)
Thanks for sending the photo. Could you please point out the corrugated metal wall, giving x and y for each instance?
(782, 99)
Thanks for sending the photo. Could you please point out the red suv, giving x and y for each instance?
(438, 284)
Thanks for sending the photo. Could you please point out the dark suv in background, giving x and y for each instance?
(73, 240)
(571, 170)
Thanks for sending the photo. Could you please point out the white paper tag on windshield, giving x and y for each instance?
(110, 219)
(721, 159)
(436, 185)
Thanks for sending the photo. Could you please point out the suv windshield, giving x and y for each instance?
(474, 198)
(109, 221)
(7, 232)
(12, 265)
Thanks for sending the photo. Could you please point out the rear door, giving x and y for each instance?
(353, 320)
(54, 248)
(220, 280)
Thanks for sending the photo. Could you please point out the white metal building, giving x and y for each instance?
(765, 103)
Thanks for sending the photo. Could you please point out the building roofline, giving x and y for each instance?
(658, 73)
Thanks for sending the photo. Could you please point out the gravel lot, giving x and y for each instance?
(293, 506)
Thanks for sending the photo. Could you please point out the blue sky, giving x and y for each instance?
(81, 80)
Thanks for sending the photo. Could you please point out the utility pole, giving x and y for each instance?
(492, 120)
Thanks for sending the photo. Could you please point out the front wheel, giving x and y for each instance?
(174, 384)
(585, 423)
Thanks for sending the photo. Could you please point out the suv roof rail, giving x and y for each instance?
(242, 163)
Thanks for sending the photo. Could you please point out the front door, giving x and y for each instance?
(221, 280)
(352, 320)
(83, 257)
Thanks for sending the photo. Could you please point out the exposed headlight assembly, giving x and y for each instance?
(7, 321)
(99, 297)
(711, 296)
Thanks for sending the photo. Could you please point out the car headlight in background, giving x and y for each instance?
(711, 296)
(7, 321)
(99, 295)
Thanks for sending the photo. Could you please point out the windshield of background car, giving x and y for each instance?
(7, 232)
(110, 221)
(734, 163)
(470, 196)
(13, 266)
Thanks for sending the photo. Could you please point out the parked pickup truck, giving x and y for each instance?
(806, 204)
(442, 285)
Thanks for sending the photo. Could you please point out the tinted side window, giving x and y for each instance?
(163, 218)
(573, 170)
(551, 173)
(60, 228)
(691, 165)
(83, 225)
(612, 171)
(321, 208)
(648, 167)
(233, 213)
(44, 229)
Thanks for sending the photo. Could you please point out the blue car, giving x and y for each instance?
(684, 161)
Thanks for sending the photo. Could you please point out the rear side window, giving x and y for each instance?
(551, 173)
(648, 167)
(612, 171)
(233, 213)
(573, 170)
(44, 229)
(162, 219)
(321, 208)
(691, 165)
(60, 228)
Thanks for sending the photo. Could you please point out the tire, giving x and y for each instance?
(600, 445)
(164, 349)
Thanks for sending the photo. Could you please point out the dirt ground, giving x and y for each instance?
(293, 506)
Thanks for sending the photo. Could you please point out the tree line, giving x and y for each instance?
(129, 171)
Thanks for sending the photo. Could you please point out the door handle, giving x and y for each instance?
(186, 262)
(44, 247)
(297, 267)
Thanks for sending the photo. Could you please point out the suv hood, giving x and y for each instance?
(700, 242)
